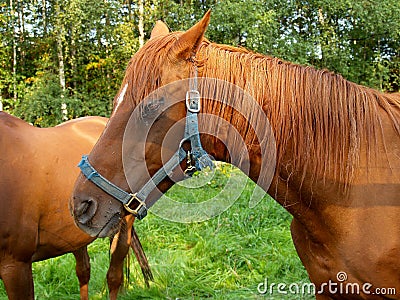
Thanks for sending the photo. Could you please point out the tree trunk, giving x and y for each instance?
(130, 10)
(44, 16)
(73, 51)
(108, 42)
(21, 19)
(60, 54)
(322, 37)
(73, 59)
(60, 62)
(14, 47)
(21, 26)
(141, 23)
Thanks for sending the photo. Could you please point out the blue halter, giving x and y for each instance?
(198, 154)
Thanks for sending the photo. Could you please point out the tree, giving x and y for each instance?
(86, 44)
(14, 48)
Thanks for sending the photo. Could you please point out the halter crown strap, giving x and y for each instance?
(200, 156)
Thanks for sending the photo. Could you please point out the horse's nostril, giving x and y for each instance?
(85, 211)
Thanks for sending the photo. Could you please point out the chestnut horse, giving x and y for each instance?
(38, 172)
(337, 154)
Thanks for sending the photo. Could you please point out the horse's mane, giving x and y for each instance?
(317, 116)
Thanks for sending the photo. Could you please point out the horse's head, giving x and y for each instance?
(165, 58)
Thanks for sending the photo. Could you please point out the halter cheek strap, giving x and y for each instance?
(128, 199)
(199, 155)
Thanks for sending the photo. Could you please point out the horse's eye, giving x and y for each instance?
(151, 109)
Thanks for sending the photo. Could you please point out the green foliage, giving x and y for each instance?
(249, 24)
(5, 76)
(41, 103)
(358, 39)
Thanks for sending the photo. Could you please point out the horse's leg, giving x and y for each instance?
(18, 280)
(119, 250)
(83, 271)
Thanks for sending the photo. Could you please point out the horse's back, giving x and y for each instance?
(85, 126)
(38, 170)
(24, 146)
(64, 145)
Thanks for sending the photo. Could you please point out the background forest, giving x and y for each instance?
(60, 59)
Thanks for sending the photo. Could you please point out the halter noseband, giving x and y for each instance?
(198, 154)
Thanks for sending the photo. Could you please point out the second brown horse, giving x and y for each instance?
(38, 169)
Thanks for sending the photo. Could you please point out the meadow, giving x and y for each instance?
(225, 257)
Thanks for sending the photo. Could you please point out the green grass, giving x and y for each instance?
(225, 257)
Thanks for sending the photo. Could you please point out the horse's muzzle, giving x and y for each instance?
(87, 218)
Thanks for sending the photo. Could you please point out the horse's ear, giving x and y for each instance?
(159, 29)
(189, 42)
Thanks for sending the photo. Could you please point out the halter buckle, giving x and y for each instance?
(136, 212)
(190, 169)
(193, 101)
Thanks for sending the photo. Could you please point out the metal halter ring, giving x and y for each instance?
(135, 212)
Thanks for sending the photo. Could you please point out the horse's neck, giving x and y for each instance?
(106, 155)
(291, 179)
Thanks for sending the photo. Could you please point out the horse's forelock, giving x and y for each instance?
(143, 74)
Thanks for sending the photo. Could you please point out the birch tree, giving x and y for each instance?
(60, 31)
(14, 50)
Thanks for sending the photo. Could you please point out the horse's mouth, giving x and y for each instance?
(111, 227)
